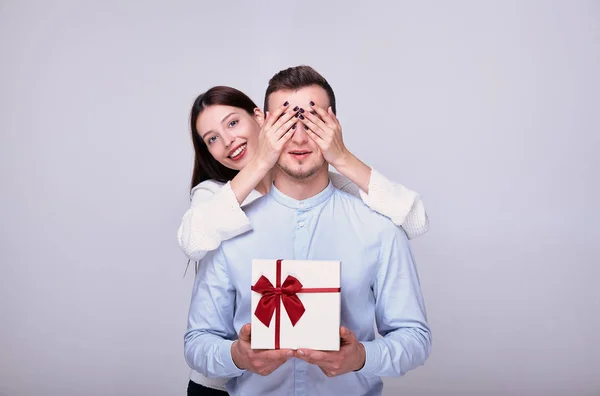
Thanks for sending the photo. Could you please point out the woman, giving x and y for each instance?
(235, 150)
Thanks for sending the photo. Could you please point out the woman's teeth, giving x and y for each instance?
(238, 151)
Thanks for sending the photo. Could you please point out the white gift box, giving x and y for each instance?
(315, 306)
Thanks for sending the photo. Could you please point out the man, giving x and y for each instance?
(305, 218)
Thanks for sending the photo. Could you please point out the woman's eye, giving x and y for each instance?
(233, 123)
(211, 139)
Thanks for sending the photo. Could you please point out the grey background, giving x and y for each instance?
(488, 109)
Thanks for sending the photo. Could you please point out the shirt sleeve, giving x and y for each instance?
(213, 217)
(210, 332)
(402, 205)
(399, 313)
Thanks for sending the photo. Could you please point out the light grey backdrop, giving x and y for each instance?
(489, 109)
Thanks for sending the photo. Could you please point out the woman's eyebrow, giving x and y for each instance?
(222, 121)
(227, 116)
(207, 132)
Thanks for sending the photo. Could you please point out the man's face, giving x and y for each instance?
(301, 157)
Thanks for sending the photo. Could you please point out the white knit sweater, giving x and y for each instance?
(215, 216)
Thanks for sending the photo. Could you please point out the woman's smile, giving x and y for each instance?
(237, 153)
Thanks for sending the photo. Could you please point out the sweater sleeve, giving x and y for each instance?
(403, 206)
(213, 217)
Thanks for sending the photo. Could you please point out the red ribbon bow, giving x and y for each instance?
(269, 303)
(271, 296)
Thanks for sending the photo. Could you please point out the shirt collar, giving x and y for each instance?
(308, 203)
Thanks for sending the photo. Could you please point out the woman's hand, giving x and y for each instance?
(278, 128)
(325, 129)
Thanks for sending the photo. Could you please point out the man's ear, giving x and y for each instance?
(259, 116)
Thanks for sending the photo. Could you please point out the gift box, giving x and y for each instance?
(295, 304)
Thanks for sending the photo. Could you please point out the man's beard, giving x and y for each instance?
(301, 175)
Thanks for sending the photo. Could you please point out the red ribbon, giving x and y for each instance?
(274, 296)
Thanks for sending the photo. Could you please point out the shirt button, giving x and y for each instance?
(301, 204)
(301, 224)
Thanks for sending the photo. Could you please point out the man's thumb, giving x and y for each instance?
(346, 334)
(245, 332)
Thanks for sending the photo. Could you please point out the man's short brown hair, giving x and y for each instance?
(294, 78)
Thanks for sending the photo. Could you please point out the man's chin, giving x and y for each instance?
(300, 174)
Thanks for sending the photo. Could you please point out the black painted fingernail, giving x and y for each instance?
(296, 108)
(294, 126)
(286, 103)
(305, 127)
(301, 110)
(301, 117)
(312, 103)
(297, 114)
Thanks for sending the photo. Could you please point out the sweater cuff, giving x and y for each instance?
(388, 198)
(236, 222)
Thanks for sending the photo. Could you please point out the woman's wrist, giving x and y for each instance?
(248, 179)
(259, 166)
(355, 170)
(344, 161)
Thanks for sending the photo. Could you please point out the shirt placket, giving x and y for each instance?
(301, 241)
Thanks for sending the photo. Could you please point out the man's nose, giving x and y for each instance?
(300, 134)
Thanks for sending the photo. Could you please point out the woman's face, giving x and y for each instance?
(230, 133)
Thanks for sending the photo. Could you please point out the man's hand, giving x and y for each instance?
(325, 129)
(262, 362)
(350, 357)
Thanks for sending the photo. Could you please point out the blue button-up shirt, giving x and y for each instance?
(379, 281)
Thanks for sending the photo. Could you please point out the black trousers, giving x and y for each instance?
(195, 389)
